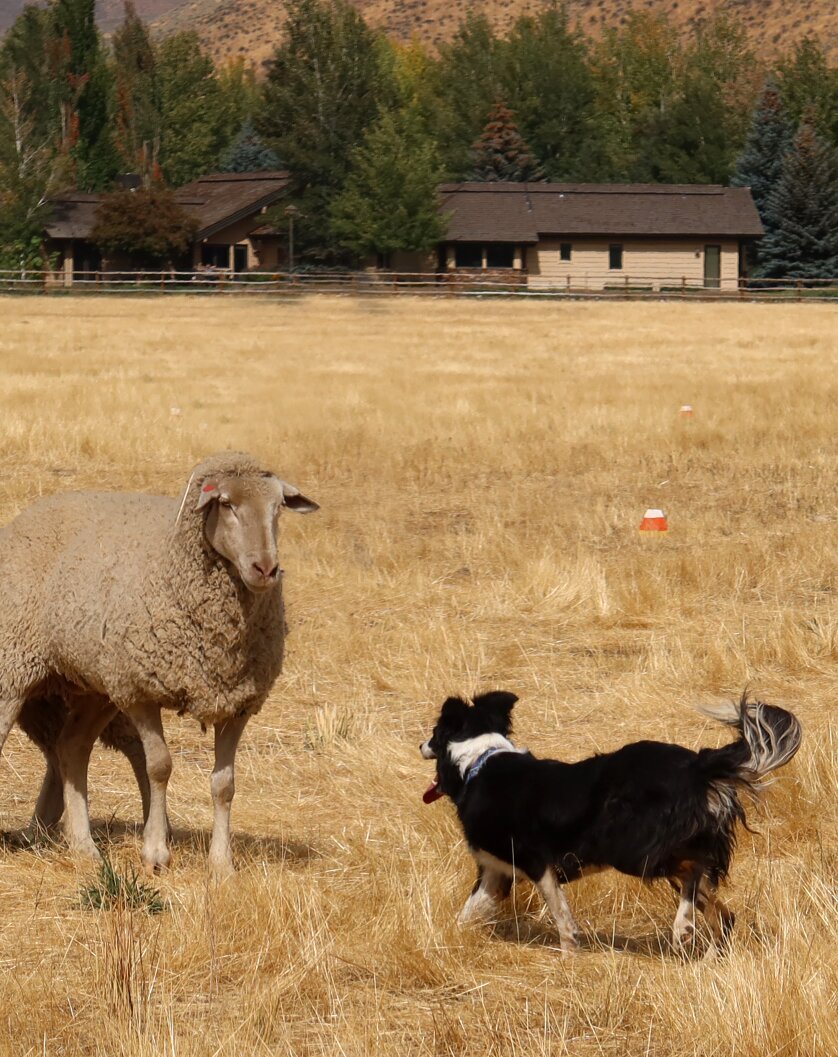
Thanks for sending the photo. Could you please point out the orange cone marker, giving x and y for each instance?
(654, 521)
(686, 411)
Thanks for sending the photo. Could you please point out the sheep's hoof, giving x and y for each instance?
(221, 869)
(85, 849)
(156, 863)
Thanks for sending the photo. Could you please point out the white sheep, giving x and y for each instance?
(42, 720)
(137, 603)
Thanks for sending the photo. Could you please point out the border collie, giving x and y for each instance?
(650, 809)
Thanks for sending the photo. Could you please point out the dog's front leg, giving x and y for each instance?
(557, 904)
(489, 889)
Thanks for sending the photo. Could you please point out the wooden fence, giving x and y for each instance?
(281, 285)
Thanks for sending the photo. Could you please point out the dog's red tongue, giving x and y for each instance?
(432, 792)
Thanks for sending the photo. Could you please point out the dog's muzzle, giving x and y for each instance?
(427, 751)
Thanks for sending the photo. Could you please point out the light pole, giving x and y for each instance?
(291, 212)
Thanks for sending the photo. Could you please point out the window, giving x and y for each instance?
(565, 251)
(468, 255)
(615, 256)
(499, 255)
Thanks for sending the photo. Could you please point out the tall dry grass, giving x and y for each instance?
(482, 470)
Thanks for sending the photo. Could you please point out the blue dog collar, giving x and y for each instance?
(481, 760)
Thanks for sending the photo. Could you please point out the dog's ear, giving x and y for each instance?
(497, 704)
(454, 712)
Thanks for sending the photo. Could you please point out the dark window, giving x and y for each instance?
(468, 255)
(615, 256)
(240, 258)
(216, 255)
(565, 250)
(499, 255)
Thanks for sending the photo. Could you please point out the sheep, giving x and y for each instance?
(136, 603)
(42, 719)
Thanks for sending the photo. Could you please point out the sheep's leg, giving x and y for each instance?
(223, 786)
(83, 726)
(158, 761)
(50, 805)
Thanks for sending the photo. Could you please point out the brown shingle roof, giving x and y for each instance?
(509, 212)
(224, 198)
(215, 201)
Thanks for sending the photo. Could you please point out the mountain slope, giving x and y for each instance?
(109, 13)
(251, 28)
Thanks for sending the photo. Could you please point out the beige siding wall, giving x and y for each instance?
(646, 262)
(237, 234)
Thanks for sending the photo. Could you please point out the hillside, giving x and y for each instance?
(250, 28)
(109, 12)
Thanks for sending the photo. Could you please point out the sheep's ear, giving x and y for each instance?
(294, 499)
(209, 491)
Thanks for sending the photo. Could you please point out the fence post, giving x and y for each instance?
(799, 285)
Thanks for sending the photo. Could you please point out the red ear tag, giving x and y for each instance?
(208, 488)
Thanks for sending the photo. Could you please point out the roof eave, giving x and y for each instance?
(240, 214)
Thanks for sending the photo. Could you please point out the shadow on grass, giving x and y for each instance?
(246, 846)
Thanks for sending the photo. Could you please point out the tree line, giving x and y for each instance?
(369, 128)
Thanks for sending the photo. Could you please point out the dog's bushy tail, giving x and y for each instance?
(768, 738)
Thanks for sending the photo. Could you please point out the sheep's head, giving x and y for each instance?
(242, 522)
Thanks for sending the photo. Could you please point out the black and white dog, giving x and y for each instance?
(649, 809)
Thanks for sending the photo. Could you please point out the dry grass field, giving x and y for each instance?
(482, 469)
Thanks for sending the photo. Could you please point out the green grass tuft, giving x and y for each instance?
(112, 889)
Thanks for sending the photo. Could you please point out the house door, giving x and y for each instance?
(240, 258)
(713, 267)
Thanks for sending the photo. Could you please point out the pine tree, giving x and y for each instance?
(326, 85)
(501, 152)
(248, 153)
(390, 201)
(138, 104)
(464, 82)
(760, 164)
(802, 211)
(195, 110)
(86, 87)
(809, 86)
(548, 81)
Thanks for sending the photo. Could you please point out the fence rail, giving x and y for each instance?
(435, 284)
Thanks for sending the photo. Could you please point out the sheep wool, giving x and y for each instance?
(121, 597)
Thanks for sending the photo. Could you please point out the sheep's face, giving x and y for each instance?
(242, 523)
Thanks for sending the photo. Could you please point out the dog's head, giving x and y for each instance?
(461, 734)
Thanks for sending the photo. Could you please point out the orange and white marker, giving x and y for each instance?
(686, 411)
(654, 521)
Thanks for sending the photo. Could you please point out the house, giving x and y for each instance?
(229, 208)
(597, 236)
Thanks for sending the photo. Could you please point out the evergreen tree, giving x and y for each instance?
(32, 162)
(86, 91)
(548, 82)
(390, 202)
(138, 104)
(760, 164)
(248, 153)
(463, 84)
(195, 110)
(636, 72)
(809, 87)
(326, 83)
(692, 145)
(501, 152)
(802, 211)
